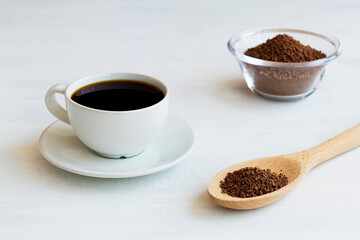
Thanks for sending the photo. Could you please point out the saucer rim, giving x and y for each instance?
(138, 173)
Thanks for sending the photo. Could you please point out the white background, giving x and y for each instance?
(182, 43)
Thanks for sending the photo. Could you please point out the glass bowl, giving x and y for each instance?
(279, 80)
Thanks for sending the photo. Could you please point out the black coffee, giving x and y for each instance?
(118, 95)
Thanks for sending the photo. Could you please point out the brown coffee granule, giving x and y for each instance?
(284, 48)
(251, 182)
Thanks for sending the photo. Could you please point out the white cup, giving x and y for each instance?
(112, 134)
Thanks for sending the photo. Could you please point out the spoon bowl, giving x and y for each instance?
(294, 166)
(285, 164)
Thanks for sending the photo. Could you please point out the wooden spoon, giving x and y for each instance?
(294, 166)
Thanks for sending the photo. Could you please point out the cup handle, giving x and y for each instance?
(52, 104)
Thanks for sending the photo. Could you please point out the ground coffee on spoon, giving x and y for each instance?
(251, 182)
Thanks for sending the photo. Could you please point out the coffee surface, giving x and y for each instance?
(118, 95)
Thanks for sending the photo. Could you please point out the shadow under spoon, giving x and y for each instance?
(294, 166)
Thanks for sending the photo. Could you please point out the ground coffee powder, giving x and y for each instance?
(284, 81)
(251, 182)
(284, 48)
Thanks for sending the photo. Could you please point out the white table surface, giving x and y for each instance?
(182, 43)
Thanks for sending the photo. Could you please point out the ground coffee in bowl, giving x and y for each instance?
(283, 64)
(284, 81)
(284, 48)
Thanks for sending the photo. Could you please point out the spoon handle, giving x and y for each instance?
(335, 146)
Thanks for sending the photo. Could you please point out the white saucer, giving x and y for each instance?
(60, 146)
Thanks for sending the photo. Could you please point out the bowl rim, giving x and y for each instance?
(256, 61)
